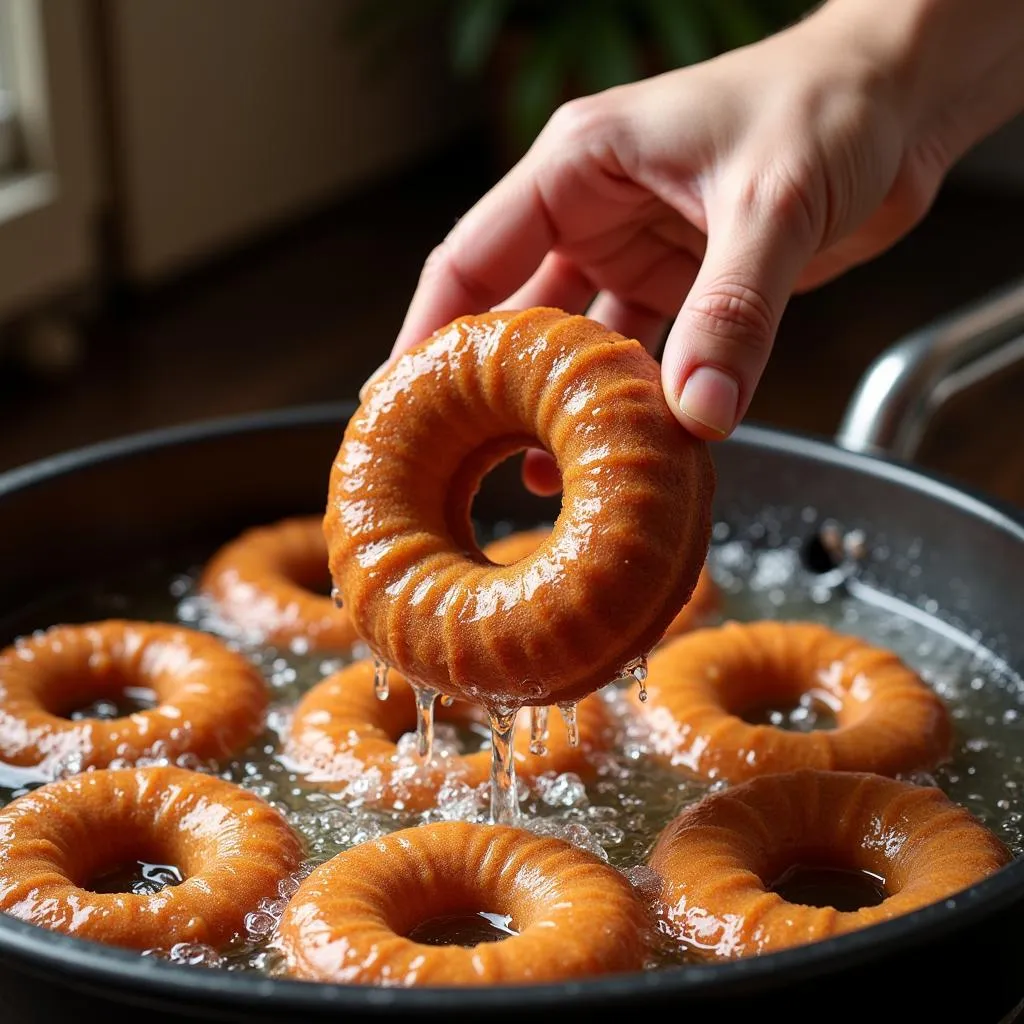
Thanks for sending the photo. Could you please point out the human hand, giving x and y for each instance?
(702, 199)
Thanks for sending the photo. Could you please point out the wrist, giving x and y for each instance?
(951, 70)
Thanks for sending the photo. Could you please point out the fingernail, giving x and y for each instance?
(711, 397)
(373, 378)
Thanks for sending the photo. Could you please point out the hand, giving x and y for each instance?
(701, 199)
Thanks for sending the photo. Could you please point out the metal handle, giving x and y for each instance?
(903, 388)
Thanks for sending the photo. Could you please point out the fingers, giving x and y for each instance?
(629, 319)
(558, 282)
(719, 344)
(540, 473)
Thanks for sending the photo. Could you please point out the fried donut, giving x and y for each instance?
(720, 859)
(633, 532)
(701, 606)
(888, 720)
(58, 842)
(350, 921)
(342, 733)
(209, 701)
(268, 582)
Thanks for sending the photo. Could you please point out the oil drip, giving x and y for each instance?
(504, 792)
(539, 730)
(425, 697)
(568, 710)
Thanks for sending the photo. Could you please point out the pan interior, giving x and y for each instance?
(764, 569)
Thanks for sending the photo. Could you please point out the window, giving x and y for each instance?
(48, 174)
(8, 116)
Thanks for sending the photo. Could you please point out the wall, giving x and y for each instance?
(229, 116)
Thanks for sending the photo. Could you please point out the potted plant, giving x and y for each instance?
(532, 55)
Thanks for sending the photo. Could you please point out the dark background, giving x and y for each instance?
(303, 310)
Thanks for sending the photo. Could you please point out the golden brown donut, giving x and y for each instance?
(888, 720)
(268, 582)
(720, 859)
(633, 532)
(349, 921)
(341, 732)
(57, 842)
(209, 700)
(702, 604)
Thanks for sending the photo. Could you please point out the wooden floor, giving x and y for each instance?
(305, 316)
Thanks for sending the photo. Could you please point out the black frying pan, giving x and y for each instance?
(68, 519)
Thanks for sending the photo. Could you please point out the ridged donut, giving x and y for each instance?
(210, 701)
(349, 921)
(889, 721)
(624, 554)
(721, 857)
(703, 603)
(56, 842)
(268, 582)
(341, 733)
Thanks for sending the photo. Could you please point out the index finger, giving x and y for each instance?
(491, 251)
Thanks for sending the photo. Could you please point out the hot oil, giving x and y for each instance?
(618, 814)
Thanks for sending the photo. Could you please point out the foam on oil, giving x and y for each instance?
(618, 815)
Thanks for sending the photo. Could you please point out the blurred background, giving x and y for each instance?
(217, 206)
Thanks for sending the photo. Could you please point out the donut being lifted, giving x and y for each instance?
(704, 603)
(625, 552)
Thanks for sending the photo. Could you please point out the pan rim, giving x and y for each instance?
(91, 965)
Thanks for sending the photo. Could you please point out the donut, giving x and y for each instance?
(702, 604)
(269, 582)
(623, 556)
(354, 919)
(722, 858)
(888, 721)
(341, 733)
(208, 700)
(59, 842)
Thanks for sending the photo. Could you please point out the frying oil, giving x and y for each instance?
(616, 816)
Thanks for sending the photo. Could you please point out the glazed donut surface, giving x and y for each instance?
(209, 701)
(888, 720)
(341, 733)
(720, 858)
(350, 920)
(703, 603)
(632, 535)
(268, 582)
(230, 847)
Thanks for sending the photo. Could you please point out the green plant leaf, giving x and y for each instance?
(476, 25)
(740, 22)
(606, 49)
(538, 86)
(681, 30)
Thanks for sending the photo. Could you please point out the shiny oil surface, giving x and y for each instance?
(619, 814)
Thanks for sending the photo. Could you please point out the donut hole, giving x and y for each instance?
(814, 883)
(128, 701)
(483, 483)
(108, 691)
(141, 877)
(810, 712)
(468, 928)
(310, 574)
(141, 855)
(776, 692)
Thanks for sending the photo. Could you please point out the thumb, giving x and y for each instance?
(719, 345)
